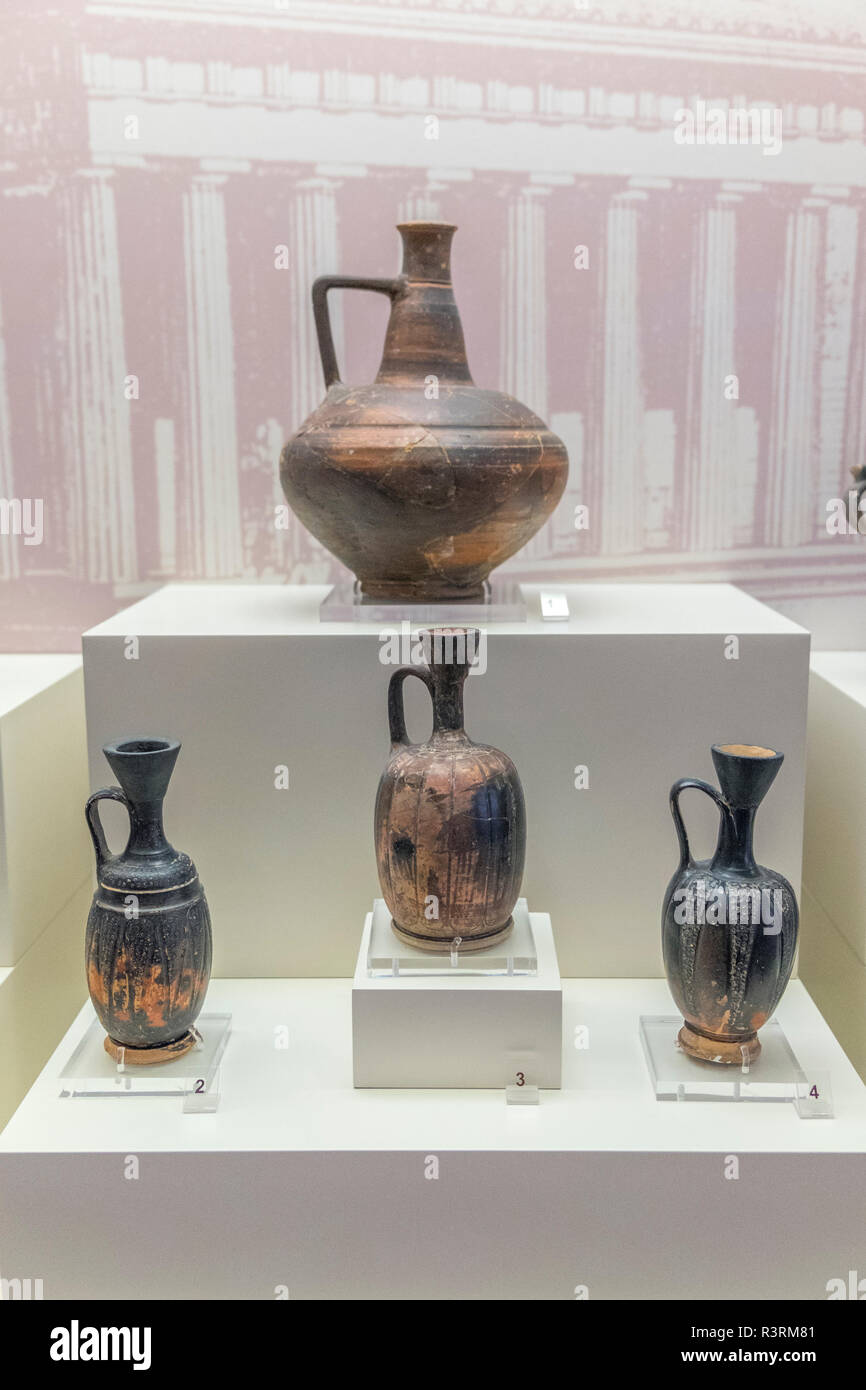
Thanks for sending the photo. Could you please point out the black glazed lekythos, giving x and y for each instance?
(148, 947)
(729, 926)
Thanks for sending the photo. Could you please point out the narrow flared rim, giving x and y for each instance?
(755, 752)
(426, 225)
(137, 746)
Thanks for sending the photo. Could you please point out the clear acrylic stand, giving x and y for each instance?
(386, 956)
(503, 603)
(776, 1075)
(195, 1076)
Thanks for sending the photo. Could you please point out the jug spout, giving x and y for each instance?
(143, 766)
(450, 652)
(746, 772)
(424, 343)
(427, 251)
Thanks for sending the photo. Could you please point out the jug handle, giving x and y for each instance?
(322, 318)
(396, 714)
(685, 784)
(94, 824)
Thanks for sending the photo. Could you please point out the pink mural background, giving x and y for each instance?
(691, 318)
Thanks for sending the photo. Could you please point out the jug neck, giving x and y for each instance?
(146, 833)
(424, 338)
(448, 699)
(143, 767)
(449, 653)
(734, 849)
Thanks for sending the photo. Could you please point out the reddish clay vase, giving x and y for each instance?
(450, 824)
(421, 483)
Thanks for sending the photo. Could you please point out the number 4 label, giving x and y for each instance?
(814, 1096)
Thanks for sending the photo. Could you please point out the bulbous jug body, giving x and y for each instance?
(450, 822)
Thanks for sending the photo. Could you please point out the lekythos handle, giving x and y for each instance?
(94, 824)
(396, 714)
(393, 288)
(686, 784)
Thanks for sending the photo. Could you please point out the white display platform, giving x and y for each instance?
(834, 862)
(45, 861)
(44, 845)
(600, 713)
(458, 1030)
(833, 916)
(39, 998)
(301, 1181)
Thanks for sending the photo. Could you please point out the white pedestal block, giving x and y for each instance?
(835, 977)
(634, 688)
(39, 997)
(834, 862)
(45, 862)
(455, 1030)
(833, 918)
(44, 846)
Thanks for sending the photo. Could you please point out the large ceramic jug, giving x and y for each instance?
(450, 825)
(148, 947)
(421, 482)
(729, 926)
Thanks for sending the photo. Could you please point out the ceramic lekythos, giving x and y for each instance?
(450, 824)
(729, 926)
(421, 483)
(148, 948)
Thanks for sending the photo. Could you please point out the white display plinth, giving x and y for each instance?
(284, 730)
(834, 858)
(458, 1029)
(301, 1181)
(833, 907)
(46, 862)
(44, 846)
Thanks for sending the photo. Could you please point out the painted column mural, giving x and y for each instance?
(170, 187)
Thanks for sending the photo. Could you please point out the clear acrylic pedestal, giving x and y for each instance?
(503, 602)
(387, 956)
(195, 1076)
(776, 1075)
